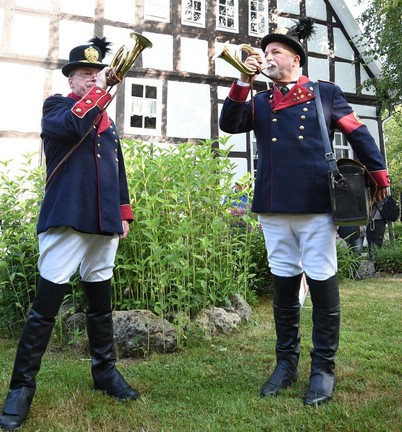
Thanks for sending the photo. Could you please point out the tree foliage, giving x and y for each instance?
(382, 22)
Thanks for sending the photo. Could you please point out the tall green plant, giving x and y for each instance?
(19, 208)
(183, 252)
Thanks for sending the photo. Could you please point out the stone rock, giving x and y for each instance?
(366, 270)
(239, 306)
(77, 320)
(216, 320)
(138, 332)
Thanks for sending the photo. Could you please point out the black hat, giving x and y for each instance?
(87, 55)
(293, 37)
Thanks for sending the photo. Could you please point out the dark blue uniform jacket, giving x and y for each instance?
(292, 170)
(89, 192)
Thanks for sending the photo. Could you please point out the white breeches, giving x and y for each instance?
(298, 242)
(62, 250)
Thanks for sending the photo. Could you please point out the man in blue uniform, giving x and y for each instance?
(292, 199)
(85, 211)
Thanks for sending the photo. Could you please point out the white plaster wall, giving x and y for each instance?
(86, 8)
(316, 9)
(318, 69)
(160, 56)
(342, 47)
(188, 110)
(72, 34)
(194, 55)
(292, 6)
(14, 149)
(27, 42)
(345, 76)
(240, 168)
(121, 10)
(236, 142)
(23, 116)
(319, 42)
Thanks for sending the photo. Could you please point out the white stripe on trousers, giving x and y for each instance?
(63, 250)
(298, 242)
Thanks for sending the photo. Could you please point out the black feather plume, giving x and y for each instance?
(102, 44)
(304, 29)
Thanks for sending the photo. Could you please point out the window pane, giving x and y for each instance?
(137, 90)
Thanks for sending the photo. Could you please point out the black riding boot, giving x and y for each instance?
(31, 347)
(326, 322)
(100, 334)
(287, 324)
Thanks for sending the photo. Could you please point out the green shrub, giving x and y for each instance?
(19, 207)
(388, 258)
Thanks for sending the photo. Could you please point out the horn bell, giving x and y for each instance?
(234, 59)
(124, 59)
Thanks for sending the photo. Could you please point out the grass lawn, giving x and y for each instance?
(214, 385)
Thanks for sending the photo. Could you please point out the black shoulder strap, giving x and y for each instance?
(329, 154)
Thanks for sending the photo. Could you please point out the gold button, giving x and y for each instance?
(115, 150)
(116, 141)
(117, 160)
(114, 133)
(88, 101)
(274, 139)
(94, 126)
(98, 91)
(305, 109)
(98, 135)
(274, 120)
(301, 127)
(303, 117)
(99, 145)
(311, 88)
(274, 112)
(309, 95)
(301, 137)
(78, 110)
(98, 155)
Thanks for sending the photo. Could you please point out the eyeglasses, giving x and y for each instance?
(86, 75)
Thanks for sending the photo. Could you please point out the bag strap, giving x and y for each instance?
(329, 154)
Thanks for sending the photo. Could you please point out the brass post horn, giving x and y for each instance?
(234, 59)
(124, 58)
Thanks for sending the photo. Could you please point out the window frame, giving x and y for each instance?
(128, 129)
(186, 21)
(149, 17)
(342, 150)
(235, 18)
(250, 21)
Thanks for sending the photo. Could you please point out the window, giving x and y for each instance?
(193, 12)
(157, 10)
(143, 107)
(228, 15)
(258, 17)
(342, 148)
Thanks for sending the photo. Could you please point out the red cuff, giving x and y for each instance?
(126, 212)
(381, 177)
(94, 97)
(239, 93)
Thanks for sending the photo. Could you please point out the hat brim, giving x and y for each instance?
(66, 69)
(287, 40)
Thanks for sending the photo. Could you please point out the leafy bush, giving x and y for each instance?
(184, 252)
(19, 207)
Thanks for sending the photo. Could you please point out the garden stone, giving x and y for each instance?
(239, 306)
(139, 332)
(216, 320)
(366, 270)
(77, 320)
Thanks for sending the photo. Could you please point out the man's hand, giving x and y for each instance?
(380, 194)
(253, 61)
(107, 77)
(126, 230)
